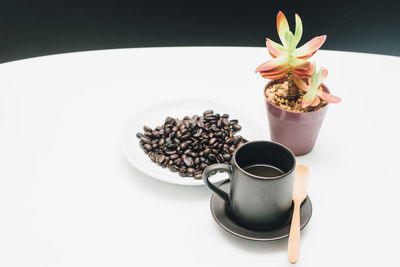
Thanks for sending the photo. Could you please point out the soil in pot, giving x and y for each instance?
(277, 94)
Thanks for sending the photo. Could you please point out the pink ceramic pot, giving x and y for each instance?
(295, 130)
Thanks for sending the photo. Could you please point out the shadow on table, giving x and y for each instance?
(171, 191)
(258, 247)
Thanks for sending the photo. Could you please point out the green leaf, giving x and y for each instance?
(319, 78)
(298, 31)
(289, 37)
(314, 77)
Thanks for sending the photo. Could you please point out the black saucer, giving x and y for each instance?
(218, 210)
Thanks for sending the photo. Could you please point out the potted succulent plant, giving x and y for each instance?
(296, 98)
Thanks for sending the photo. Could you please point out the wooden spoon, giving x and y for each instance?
(299, 195)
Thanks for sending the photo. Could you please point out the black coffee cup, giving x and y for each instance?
(257, 202)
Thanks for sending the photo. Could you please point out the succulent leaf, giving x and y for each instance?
(324, 75)
(314, 77)
(282, 26)
(275, 76)
(302, 85)
(310, 48)
(315, 102)
(274, 49)
(298, 31)
(308, 98)
(270, 65)
(328, 97)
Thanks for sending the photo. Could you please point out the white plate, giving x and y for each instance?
(155, 116)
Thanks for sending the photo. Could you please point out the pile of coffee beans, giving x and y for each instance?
(189, 145)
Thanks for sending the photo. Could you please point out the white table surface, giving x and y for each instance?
(68, 197)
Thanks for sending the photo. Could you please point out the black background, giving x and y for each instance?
(34, 28)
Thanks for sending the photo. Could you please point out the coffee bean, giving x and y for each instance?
(148, 147)
(170, 152)
(198, 133)
(169, 141)
(214, 128)
(214, 151)
(138, 135)
(160, 159)
(193, 154)
(161, 141)
(206, 152)
(169, 120)
(212, 157)
(227, 157)
(236, 127)
(174, 156)
(145, 139)
(208, 112)
(173, 168)
(185, 137)
(152, 156)
(188, 161)
(210, 118)
(184, 145)
(190, 170)
(198, 176)
(156, 135)
(178, 161)
(147, 128)
(172, 146)
(202, 142)
(212, 140)
(220, 158)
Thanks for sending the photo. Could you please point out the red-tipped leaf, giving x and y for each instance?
(271, 64)
(328, 97)
(315, 102)
(309, 48)
(282, 26)
(274, 77)
(274, 48)
(302, 85)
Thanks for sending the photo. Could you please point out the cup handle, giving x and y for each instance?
(217, 167)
